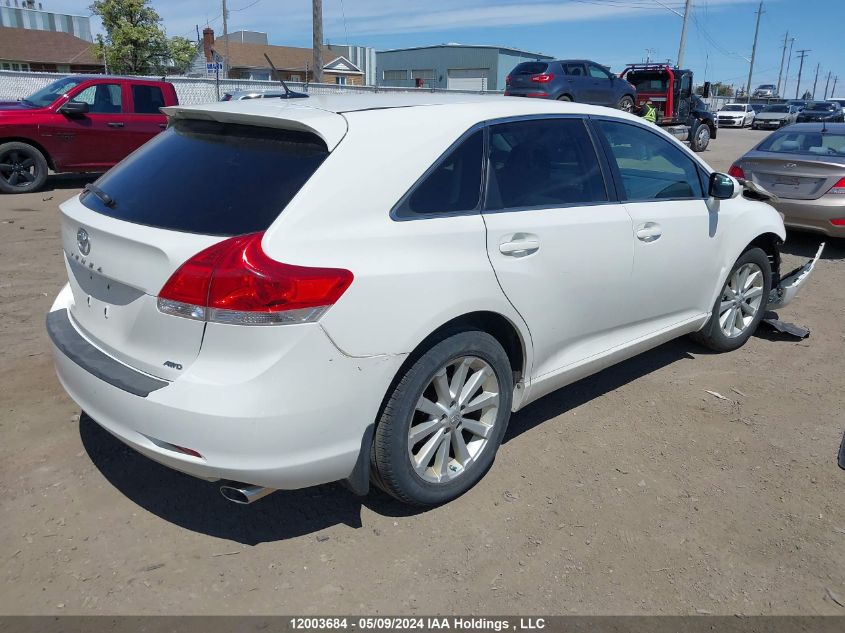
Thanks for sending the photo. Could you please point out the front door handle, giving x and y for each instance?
(115, 124)
(649, 232)
(519, 245)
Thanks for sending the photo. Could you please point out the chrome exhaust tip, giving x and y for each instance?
(243, 494)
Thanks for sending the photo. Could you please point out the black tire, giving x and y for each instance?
(711, 335)
(625, 103)
(391, 462)
(754, 126)
(23, 169)
(701, 136)
(564, 98)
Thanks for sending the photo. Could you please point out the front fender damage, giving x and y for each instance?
(789, 284)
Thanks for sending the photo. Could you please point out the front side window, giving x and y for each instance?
(543, 163)
(651, 167)
(101, 99)
(453, 185)
(598, 73)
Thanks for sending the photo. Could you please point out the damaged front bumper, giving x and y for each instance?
(787, 288)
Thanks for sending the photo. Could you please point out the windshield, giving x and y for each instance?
(821, 106)
(48, 94)
(733, 108)
(814, 143)
(776, 108)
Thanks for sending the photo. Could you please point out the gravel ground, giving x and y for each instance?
(631, 492)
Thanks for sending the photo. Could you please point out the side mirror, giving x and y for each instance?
(723, 187)
(74, 108)
(706, 91)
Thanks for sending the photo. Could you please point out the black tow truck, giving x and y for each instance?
(679, 111)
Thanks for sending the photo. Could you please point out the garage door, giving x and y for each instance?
(467, 79)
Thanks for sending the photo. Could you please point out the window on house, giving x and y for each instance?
(340, 80)
(395, 75)
(422, 74)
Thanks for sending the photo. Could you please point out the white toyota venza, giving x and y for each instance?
(363, 288)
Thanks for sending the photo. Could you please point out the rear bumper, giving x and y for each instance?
(288, 424)
(532, 93)
(813, 215)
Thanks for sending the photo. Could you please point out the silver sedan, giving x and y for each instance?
(803, 165)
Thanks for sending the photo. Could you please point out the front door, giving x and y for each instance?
(601, 86)
(676, 237)
(91, 141)
(560, 247)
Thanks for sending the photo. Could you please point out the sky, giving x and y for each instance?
(612, 32)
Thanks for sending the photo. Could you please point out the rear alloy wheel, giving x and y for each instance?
(22, 168)
(626, 104)
(441, 427)
(740, 306)
(700, 138)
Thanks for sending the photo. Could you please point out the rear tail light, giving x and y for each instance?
(542, 78)
(235, 282)
(508, 79)
(839, 187)
(838, 222)
(736, 171)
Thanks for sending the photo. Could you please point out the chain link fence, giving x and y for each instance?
(16, 85)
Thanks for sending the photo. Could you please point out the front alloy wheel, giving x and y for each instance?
(741, 299)
(22, 168)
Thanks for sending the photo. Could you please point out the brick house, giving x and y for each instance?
(246, 61)
(46, 51)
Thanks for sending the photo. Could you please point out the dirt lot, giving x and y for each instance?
(631, 492)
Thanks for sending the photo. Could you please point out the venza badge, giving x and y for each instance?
(83, 242)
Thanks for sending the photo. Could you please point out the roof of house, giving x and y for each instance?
(457, 46)
(51, 47)
(245, 55)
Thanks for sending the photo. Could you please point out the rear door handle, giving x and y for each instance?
(115, 124)
(649, 232)
(519, 245)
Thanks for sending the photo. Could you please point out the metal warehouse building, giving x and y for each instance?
(453, 66)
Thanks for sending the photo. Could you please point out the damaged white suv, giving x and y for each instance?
(364, 288)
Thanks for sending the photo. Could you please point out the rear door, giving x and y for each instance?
(145, 118)
(676, 238)
(577, 80)
(560, 246)
(151, 213)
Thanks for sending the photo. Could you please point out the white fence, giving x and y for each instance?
(17, 85)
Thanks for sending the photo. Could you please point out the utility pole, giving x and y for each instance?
(816, 80)
(754, 51)
(827, 84)
(782, 59)
(317, 39)
(788, 62)
(802, 53)
(833, 90)
(684, 34)
(226, 43)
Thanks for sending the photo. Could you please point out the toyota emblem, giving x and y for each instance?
(83, 242)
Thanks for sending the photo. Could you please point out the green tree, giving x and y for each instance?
(135, 42)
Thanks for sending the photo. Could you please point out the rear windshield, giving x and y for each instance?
(530, 68)
(815, 143)
(210, 178)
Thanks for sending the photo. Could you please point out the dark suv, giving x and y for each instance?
(571, 80)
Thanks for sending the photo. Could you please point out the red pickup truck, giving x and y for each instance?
(78, 124)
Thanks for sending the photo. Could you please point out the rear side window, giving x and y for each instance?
(530, 68)
(210, 178)
(546, 163)
(147, 99)
(453, 185)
